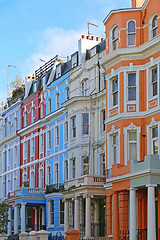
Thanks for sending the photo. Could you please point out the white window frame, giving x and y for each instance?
(61, 212)
(152, 124)
(16, 123)
(49, 213)
(32, 146)
(32, 181)
(25, 119)
(66, 170)
(66, 93)
(156, 26)
(25, 146)
(15, 154)
(49, 106)
(73, 126)
(42, 110)
(114, 91)
(15, 182)
(66, 132)
(57, 139)
(41, 177)
(114, 39)
(72, 168)
(110, 135)
(85, 125)
(131, 33)
(41, 143)
(49, 140)
(56, 174)
(57, 101)
(74, 60)
(32, 115)
(128, 87)
(102, 120)
(85, 87)
(126, 130)
(85, 164)
(58, 71)
(48, 175)
(102, 163)
(9, 158)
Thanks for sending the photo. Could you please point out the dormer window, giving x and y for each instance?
(93, 51)
(115, 38)
(131, 33)
(43, 81)
(154, 27)
(74, 60)
(34, 86)
(58, 71)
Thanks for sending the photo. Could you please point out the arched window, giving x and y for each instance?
(115, 38)
(154, 27)
(131, 33)
(57, 100)
(49, 106)
(66, 94)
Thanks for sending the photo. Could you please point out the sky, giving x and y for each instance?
(34, 29)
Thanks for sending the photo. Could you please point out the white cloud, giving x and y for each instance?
(50, 42)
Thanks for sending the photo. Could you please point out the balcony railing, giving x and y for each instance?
(45, 68)
(30, 191)
(54, 188)
(94, 180)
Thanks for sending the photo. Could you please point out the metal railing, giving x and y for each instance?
(124, 235)
(142, 234)
(54, 188)
(46, 67)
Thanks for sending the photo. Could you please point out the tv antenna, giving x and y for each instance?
(90, 24)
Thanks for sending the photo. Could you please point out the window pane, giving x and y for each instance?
(115, 85)
(155, 32)
(115, 98)
(133, 151)
(131, 79)
(131, 27)
(154, 75)
(132, 136)
(115, 154)
(155, 147)
(154, 132)
(131, 94)
(154, 22)
(115, 33)
(131, 39)
(115, 139)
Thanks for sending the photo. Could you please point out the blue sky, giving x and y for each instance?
(33, 29)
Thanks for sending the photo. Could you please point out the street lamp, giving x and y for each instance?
(9, 66)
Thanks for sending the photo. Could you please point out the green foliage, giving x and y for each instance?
(4, 208)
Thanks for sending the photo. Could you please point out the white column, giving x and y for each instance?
(88, 216)
(35, 219)
(133, 214)
(15, 219)
(66, 215)
(151, 218)
(9, 231)
(23, 217)
(76, 214)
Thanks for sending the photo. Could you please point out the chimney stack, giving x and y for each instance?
(137, 3)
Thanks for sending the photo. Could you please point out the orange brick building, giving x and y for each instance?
(132, 66)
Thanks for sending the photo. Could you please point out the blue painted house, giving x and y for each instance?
(57, 92)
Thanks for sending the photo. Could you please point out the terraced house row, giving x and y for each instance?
(80, 145)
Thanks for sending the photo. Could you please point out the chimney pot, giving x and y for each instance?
(97, 38)
(92, 38)
(102, 39)
(88, 37)
(83, 36)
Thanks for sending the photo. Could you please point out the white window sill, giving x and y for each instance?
(114, 107)
(153, 98)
